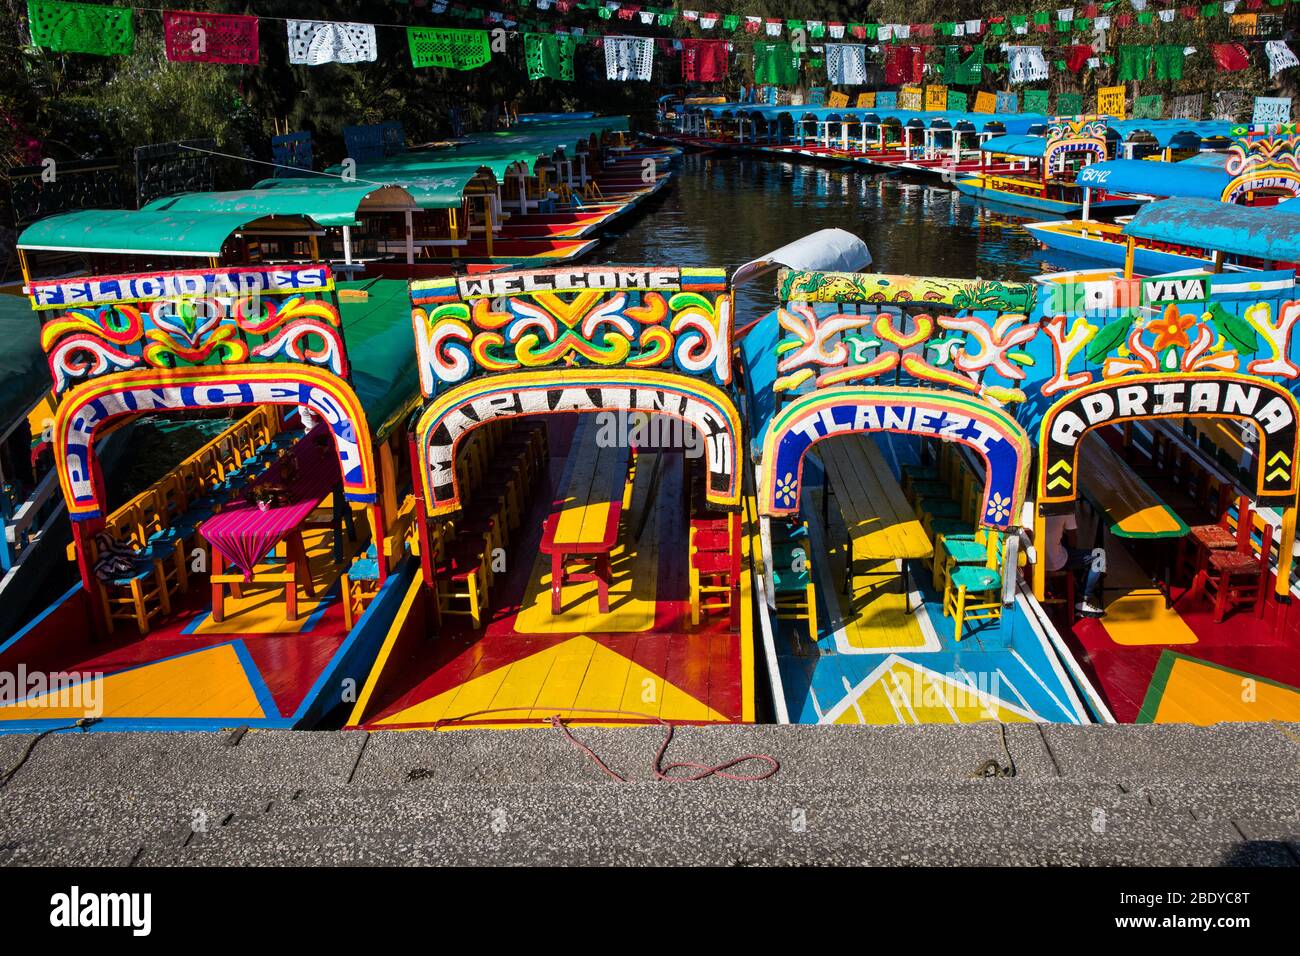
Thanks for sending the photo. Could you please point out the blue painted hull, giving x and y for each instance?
(1145, 261)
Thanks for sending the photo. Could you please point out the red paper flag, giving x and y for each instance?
(1230, 57)
(704, 61)
(210, 37)
(1077, 56)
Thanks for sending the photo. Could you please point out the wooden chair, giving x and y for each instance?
(714, 571)
(792, 580)
(360, 583)
(138, 595)
(973, 592)
(462, 576)
(1235, 577)
(1201, 540)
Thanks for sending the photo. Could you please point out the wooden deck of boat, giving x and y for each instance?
(641, 659)
(875, 663)
(1158, 663)
(253, 667)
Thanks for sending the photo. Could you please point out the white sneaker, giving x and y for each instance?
(1087, 607)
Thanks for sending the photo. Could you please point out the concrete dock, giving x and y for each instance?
(1163, 794)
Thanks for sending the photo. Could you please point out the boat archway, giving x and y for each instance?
(1270, 406)
(90, 406)
(995, 436)
(453, 415)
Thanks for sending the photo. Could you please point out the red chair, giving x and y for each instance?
(1237, 576)
(1202, 540)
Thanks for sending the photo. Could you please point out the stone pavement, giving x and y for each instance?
(1165, 794)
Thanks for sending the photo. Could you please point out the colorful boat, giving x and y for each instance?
(1260, 170)
(1172, 235)
(891, 481)
(583, 534)
(1051, 165)
(252, 583)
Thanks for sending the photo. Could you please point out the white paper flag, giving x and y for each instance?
(1139, 5)
(629, 58)
(1166, 16)
(1065, 14)
(647, 16)
(1280, 57)
(772, 28)
(314, 42)
(836, 30)
(707, 22)
(885, 31)
(1025, 64)
(974, 26)
(1229, 6)
(1101, 23)
(846, 64)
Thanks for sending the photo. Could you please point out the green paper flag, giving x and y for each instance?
(1169, 62)
(1146, 18)
(1134, 62)
(450, 49)
(956, 101)
(81, 27)
(730, 22)
(1148, 107)
(1069, 104)
(604, 13)
(1082, 24)
(1035, 101)
(1211, 10)
(549, 56)
(666, 19)
(775, 63)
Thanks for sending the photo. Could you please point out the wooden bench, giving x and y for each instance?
(880, 522)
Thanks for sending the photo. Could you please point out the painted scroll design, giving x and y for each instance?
(665, 319)
(1263, 156)
(188, 329)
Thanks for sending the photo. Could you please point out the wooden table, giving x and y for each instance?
(583, 524)
(878, 519)
(1132, 507)
(241, 534)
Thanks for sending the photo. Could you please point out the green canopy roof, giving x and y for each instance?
(24, 375)
(149, 231)
(432, 185)
(335, 205)
(381, 348)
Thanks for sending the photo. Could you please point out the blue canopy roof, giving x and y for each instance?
(1268, 233)
(1165, 131)
(1015, 145)
(1151, 178)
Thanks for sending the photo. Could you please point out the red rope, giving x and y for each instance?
(657, 768)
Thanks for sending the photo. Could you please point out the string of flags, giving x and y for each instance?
(908, 51)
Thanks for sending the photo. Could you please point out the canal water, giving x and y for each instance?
(725, 209)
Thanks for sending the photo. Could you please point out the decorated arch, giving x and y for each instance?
(1270, 406)
(446, 421)
(948, 416)
(195, 340)
(600, 339)
(1075, 134)
(1263, 157)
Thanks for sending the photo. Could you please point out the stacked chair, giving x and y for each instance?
(967, 567)
(714, 557)
(791, 572)
(500, 469)
(1223, 563)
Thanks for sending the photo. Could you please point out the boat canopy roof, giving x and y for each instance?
(1154, 178)
(328, 201)
(1015, 145)
(827, 250)
(151, 231)
(24, 372)
(381, 349)
(1268, 233)
(1209, 159)
(1167, 131)
(428, 185)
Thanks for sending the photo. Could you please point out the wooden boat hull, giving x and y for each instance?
(1069, 236)
(976, 188)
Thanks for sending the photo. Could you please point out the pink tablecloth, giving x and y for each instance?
(244, 533)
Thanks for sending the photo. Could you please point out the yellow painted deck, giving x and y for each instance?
(1199, 693)
(209, 683)
(880, 521)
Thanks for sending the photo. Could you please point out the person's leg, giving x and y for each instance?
(1081, 559)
